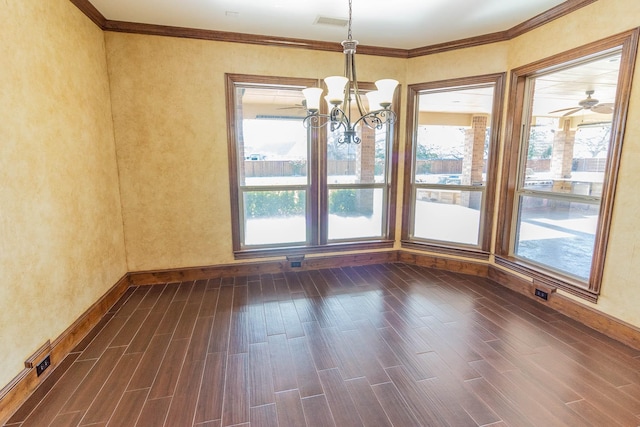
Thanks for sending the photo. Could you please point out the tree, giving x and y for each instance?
(594, 140)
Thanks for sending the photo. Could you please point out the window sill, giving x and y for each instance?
(548, 278)
(304, 250)
(444, 249)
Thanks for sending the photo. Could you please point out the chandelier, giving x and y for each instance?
(342, 92)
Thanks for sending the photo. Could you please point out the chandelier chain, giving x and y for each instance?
(349, 37)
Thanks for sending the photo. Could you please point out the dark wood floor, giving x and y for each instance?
(383, 345)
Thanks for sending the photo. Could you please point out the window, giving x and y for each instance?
(452, 145)
(561, 167)
(298, 190)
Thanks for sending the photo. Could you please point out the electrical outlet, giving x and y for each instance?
(296, 264)
(42, 366)
(542, 294)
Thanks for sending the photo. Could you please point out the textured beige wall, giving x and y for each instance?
(169, 116)
(61, 236)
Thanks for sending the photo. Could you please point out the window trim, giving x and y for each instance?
(317, 208)
(628, 41)
(483, 248)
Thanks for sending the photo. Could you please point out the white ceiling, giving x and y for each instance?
(403, 24)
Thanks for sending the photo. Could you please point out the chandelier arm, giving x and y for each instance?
(316, 121)
(375, 119)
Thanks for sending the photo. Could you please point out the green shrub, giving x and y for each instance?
(261, 204)
(343, 202)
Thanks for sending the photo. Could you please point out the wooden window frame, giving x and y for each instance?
(628, 42)
(317, 210)
(482, 251)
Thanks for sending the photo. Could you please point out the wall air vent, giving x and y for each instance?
(334, 22)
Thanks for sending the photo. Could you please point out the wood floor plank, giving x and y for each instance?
(53, 380)
(239, 332)
(374, 345)
(394, 405)
(291, 321)
(184, 401)
(100, 343)
(132, 303)
(154, 412)
(264, 416)
(411, 391)
(67, 420)
(111, 392)
(306, 375)
(219, 341)
(408, 355)
(369, 408)
(129, 408)
(268, 286)
(90, 387)
(498, 403)
(322, 353)
(211, 395)
(52, 404)
(289, 408)
(257, 329)
(199, 340)
(146, 332)
(260, 375)
(282, 366)
(273, 318)
(293, 282)
(342, 407)
(172, 315)
(235, 409)
(165, 381)
(209, 302)
(317, 412)
(594, 390)
(129, 330)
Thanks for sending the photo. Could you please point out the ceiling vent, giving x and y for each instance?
(334, 22)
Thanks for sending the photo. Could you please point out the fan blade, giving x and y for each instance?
(565, 109)
(575, 110)
(604, 108)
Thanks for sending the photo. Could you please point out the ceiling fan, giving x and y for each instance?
(588, 103)
(301, 106)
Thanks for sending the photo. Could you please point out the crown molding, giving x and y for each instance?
(556, 12)
(223, 36)
(91, 12)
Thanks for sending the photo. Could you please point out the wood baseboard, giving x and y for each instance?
(16, 392)
(253, 268)
(601, 322)
(26, 382)
(449, 264)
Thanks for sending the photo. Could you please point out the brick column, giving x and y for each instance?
(473, 161)
(365, 168)
(562, 156)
